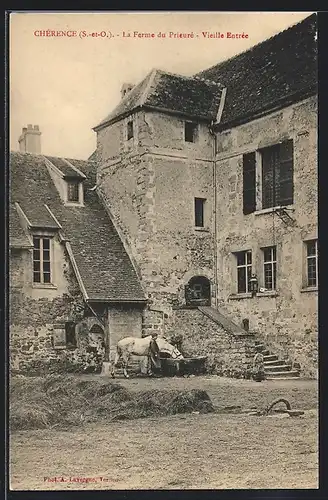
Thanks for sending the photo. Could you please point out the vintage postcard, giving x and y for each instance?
(163, 250)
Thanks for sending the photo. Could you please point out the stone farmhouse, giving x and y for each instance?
(195, 216)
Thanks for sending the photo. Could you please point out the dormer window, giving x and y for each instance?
(42, 260)
(73, 191)
(130, 130)
(190, 131)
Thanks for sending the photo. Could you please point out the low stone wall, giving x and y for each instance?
(227, 355)
(302, 350)
(283, 331)
(31, 332)
(32, 354)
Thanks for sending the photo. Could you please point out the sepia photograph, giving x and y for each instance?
(163, 250)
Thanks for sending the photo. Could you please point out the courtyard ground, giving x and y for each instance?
(211, 451)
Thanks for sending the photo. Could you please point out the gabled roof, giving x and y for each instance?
(189, 96)
(103, 264)
(67, 167)
(18, 236)
(282, 67)
(280, 70)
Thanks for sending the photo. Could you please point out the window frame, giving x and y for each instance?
(41, 260)
(75, 184)
(248, 269)
(307, 259)
(272, 263)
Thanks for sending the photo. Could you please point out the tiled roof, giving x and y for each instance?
(104, 266)
(67, 170)
(270, 72)
(18, 236)
(130, 102)
(189, 96)
(279, 68)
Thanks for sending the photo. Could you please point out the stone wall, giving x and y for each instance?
(149, 184)
(228, 355)
(286, 320)
(34, 310)
(124, 321)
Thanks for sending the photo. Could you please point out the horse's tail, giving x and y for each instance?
(116, 359)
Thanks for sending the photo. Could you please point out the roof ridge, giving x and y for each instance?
(192, 77)
(49, 164)
(250, 49)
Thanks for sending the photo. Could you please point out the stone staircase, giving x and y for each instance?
(222, 320)
(274, 367)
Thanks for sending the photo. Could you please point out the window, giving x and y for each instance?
(199, 212)
(41, 260)
(190, 132)
(312, 262)
(249, 183)
(277, 175)
(274, 166)
(244, 271)
(64, 335)
(73, 191)
(270, 267)
(130, 130)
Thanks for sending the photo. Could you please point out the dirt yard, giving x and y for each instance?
(212, 451)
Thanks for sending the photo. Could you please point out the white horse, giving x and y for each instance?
(146, 346)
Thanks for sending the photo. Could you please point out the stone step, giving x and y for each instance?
(277, 368)
(284, 375)
(271, 357)
(284, 378)
(262, 349)
(275, 362)
(259, 347)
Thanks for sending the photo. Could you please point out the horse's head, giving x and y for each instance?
(165, 346)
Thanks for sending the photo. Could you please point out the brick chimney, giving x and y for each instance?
(126, 88)
(30, 140)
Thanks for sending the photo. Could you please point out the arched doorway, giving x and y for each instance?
(96, 335)
(198, 291)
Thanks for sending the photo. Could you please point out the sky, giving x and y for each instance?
(67, 85)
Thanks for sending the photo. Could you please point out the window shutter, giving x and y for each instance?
(59, 336)
(284, 174)
(249, 183)
(270, 165)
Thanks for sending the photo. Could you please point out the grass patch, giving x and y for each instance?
(60, 401)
